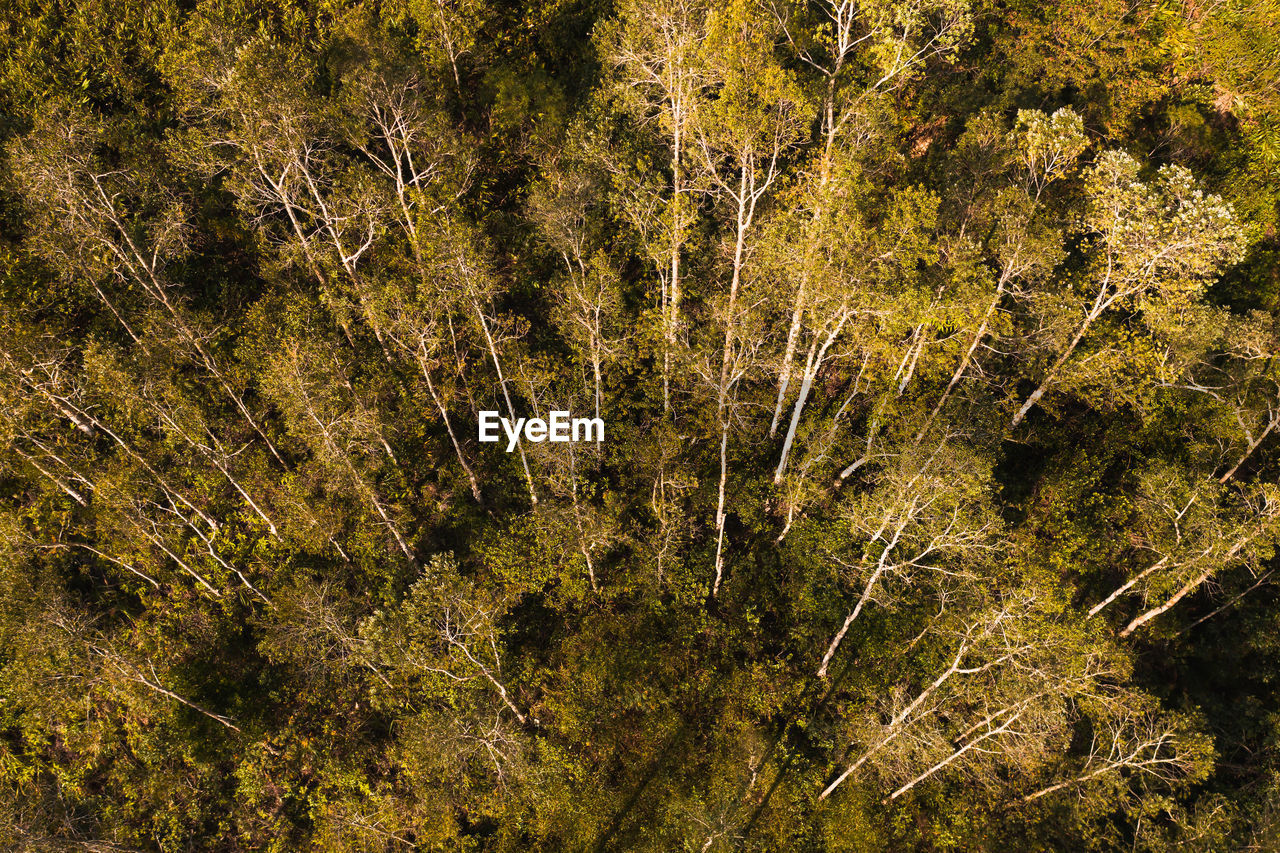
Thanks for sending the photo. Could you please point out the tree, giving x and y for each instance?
(1150, 245)
(927, 514)
(660, 81)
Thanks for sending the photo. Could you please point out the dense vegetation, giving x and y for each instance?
(937, 346)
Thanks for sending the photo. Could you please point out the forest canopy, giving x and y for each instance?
(936, 347)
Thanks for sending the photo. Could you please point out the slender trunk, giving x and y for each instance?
(164, 484)
(502, 383)
(788, 358)
(76, 476)
(412, 232)
(208, 544)
(720, 513)
(159, 543)
(489, 676)
(839, 637)
(1103, 300)
(220, 464)
(798, 306)
(57, 481)
(725, 371)
(881, 567)
(1265, 577)
(118, 316)
(154, 684)
(1186, 589)
(445, 34)
(1084, 777)
(577, 517)
(122, 564)
(866, 453)
(359, 482)
(1097, 608)
(348, 261)
(153, 285)
(1253, 445)
(271, 526)
(1049, 377)
(290, 211)
(457, 448)
(812, 366)
(677, 225)
(895, 725)
(1001, 729)
(964, 364)
(595, 369)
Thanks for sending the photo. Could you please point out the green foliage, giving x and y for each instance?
(936, 347)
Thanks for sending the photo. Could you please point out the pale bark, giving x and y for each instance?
(336, 451)
(879, 570)
(812, 365)
(457, 632)
(1010, 717)
(720, 513)
(53, 478)
(897, 725)
(577, 516)
(961, 368)
(218, 457)
(1190, 586)
(444, 416)
(1251, 446)
(506, 396)
(1260, 581)
(155, 539)
(131, 672)
(1103, 301)
(656, 55)
(92, 550)
(143, 271)
(140, 459)
(1150, 749)
(788, 357)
